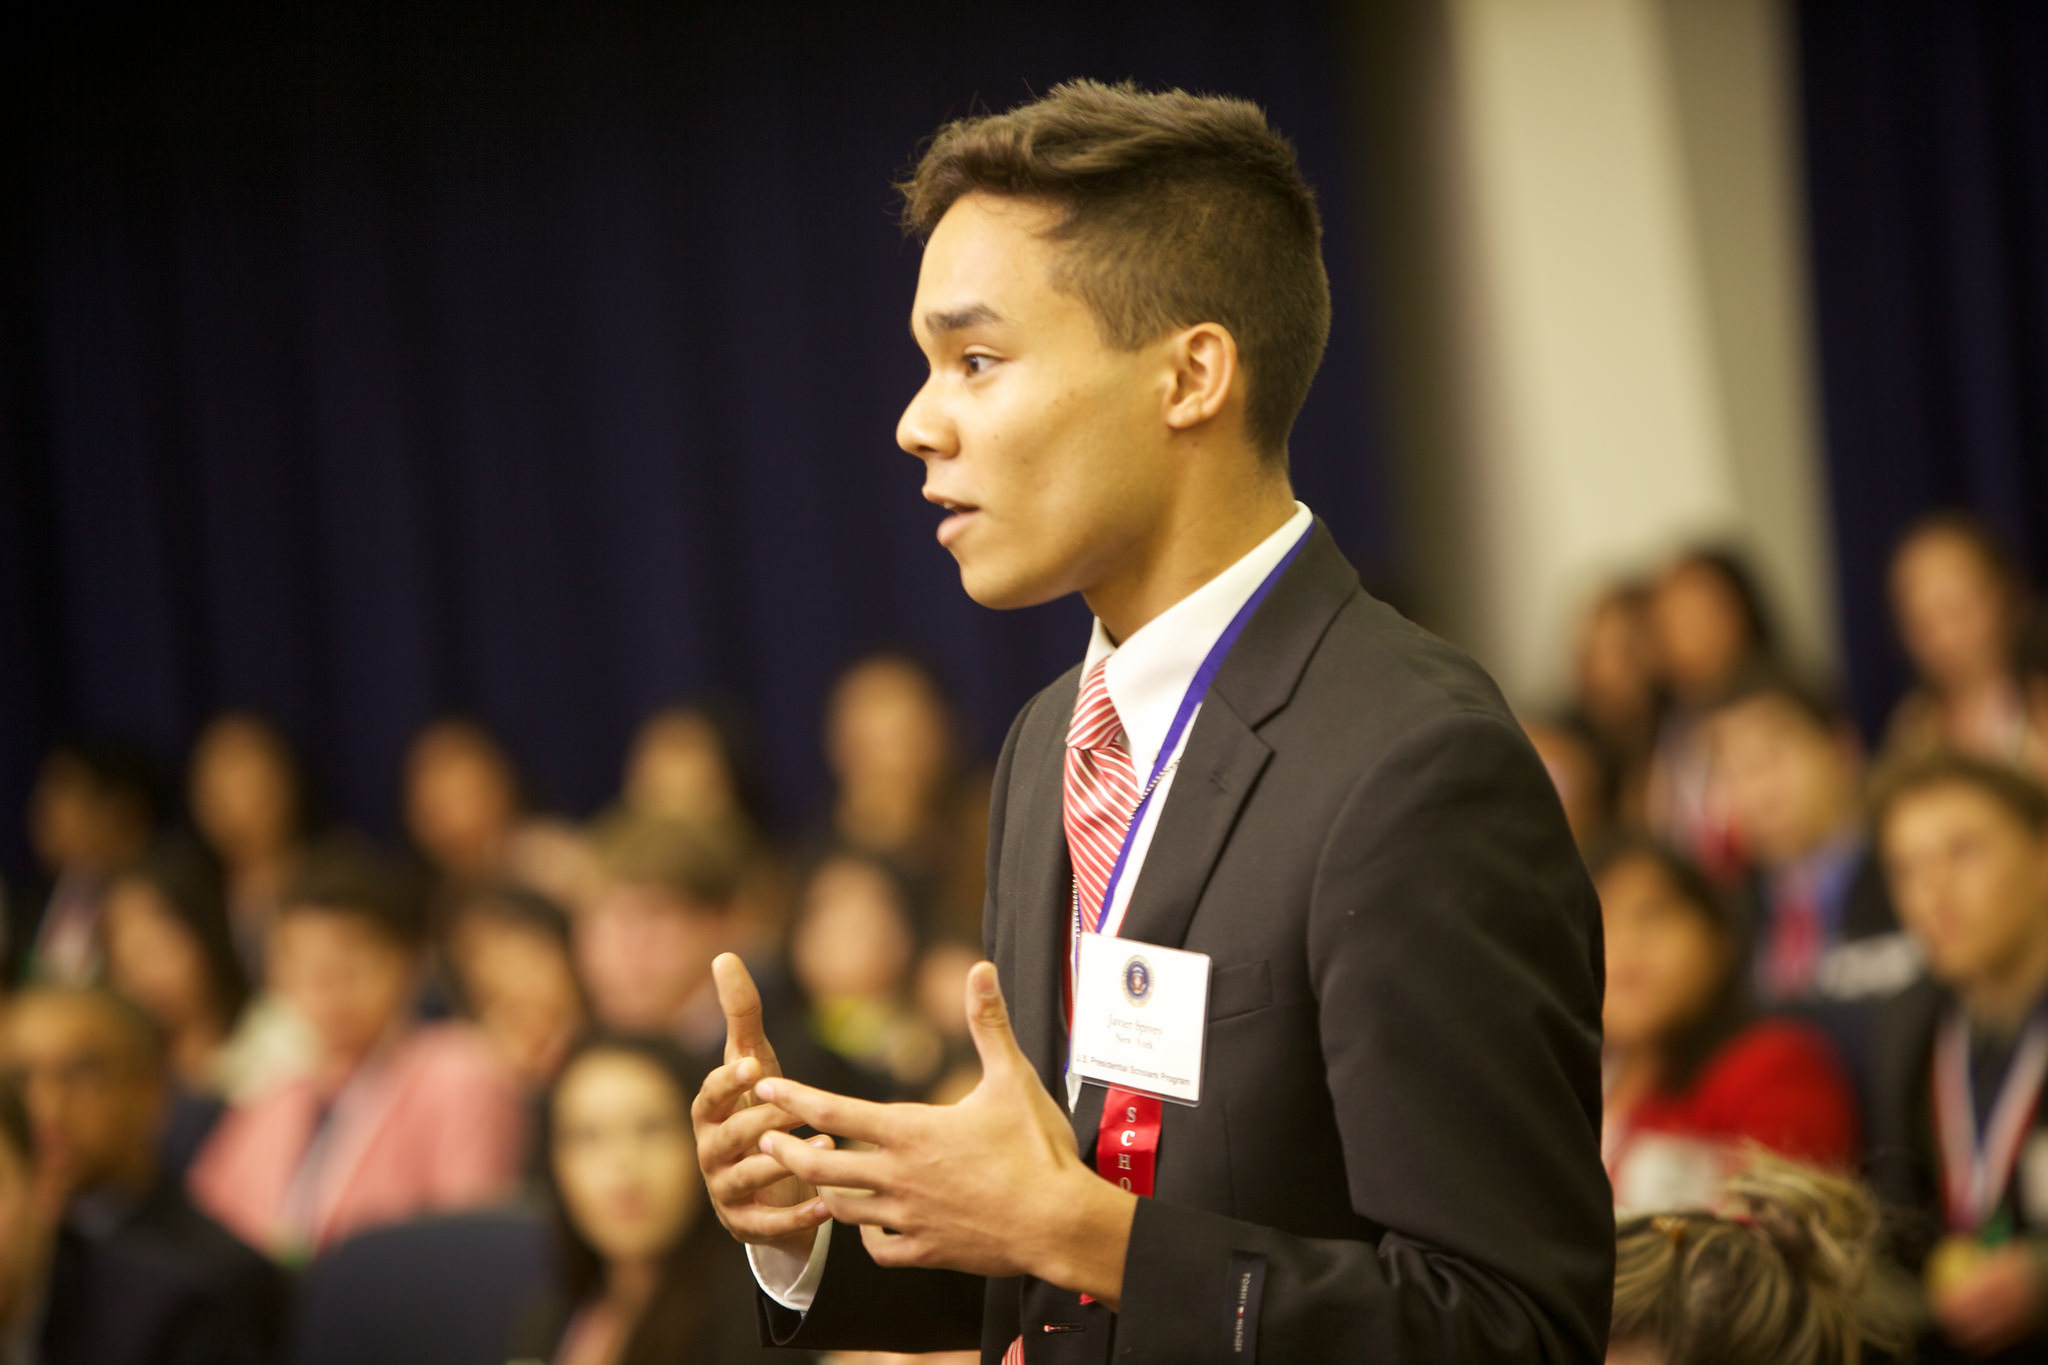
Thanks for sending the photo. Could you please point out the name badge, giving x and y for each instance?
(1141, 1015)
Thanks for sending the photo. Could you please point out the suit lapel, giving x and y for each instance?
(1224, 754)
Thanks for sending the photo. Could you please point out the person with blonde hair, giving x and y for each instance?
(1787, 1270)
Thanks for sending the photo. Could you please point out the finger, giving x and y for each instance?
(861, 1209)
(988, 1020)
(748, 1180)
(764, 1223)
(886, 1248)
(740, 1001)
(740, 1135)
(827, 1165)
(835, 1114)
(727, 1088)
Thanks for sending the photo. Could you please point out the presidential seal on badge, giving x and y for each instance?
(1137, 980)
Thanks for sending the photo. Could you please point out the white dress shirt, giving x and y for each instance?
(1148, 675)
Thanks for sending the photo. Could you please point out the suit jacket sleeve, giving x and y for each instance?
(1455, 954)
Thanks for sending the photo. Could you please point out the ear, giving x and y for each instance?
(1205, 375)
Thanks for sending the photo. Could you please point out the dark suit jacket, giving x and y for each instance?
(1905, 1160)
(1401, 1107)
(243, 1281)
(128, 1301)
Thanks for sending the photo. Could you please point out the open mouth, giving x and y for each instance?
(958, 515)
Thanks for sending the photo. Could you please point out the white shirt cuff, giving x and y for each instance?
(788, 1278)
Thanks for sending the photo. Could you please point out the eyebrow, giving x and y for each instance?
(959, 319)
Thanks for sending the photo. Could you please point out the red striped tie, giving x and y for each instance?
(1101, 796)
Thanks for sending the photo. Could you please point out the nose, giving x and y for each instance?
(923, 430)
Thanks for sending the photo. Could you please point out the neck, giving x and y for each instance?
(2002, 998)
(1198, 538)
(629, 1284)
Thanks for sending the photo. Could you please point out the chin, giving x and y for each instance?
(1000, 591)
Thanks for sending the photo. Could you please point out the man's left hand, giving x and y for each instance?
(992, 1185)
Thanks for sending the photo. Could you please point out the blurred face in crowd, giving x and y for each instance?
(243, 791)
(520, 985)
(888, 727)
(461, 798)
(645, 952)
(1953, 613)
(1700, 630)
(1788, 782)
(1617, 671)
(92, 1093)
(677, 769)
(1575, 771)
(1666, 958)
(623, 1159)
(1044, 443)
(76, 825)
(152, 957)
(1970, 880)
(853, 938)
(353, 983)
(24, 1234)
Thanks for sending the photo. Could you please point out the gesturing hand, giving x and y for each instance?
(993, 1185)
(754, 1195)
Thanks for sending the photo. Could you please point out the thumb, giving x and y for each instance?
(740, 1001)
(988, 1020)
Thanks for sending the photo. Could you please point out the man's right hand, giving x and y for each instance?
(755, 1196)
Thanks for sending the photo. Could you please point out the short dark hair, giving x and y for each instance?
(1761, 680)
(345, 876)
(2019, 795)
(675, 856)
(1175, 209)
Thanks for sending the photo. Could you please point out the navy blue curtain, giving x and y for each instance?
(1926, 142)
(542, 362)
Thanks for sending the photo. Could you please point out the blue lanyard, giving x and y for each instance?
(1197, 689)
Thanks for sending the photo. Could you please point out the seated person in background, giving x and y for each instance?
(509, 957)
(1708, 623)
(691, 763)
(250, 803)
(649, 1275)
(1960, 604)
(1785, 1269)
(1960, 1138)
(900, 792)
(465, 812)
(92, 1071)
(852, 951)
(1690, 1073)
(94, 809)
(1578, 769)
(170, 950)
(395, 1119)
(1819, 923)
(662, 908)
(1616, 696)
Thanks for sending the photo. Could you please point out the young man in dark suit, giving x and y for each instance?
(1266, 818)
(1959, 1140)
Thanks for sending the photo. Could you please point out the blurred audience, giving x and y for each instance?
(901, 792)
(853, 953)
(91, 1070)
(1617, 697)
(693, 764)
(1961, 605)
(648, 1276)
(1708, 622)
(1786, 1267)
(251, 804)
(395, 1118)
(1584, 781)
(1691, 1073)
(1960, 1145)
(65, 1299)
(94, 808)
(465, 812)
(514, 972)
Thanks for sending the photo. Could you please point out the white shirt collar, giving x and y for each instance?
(1150, 672)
